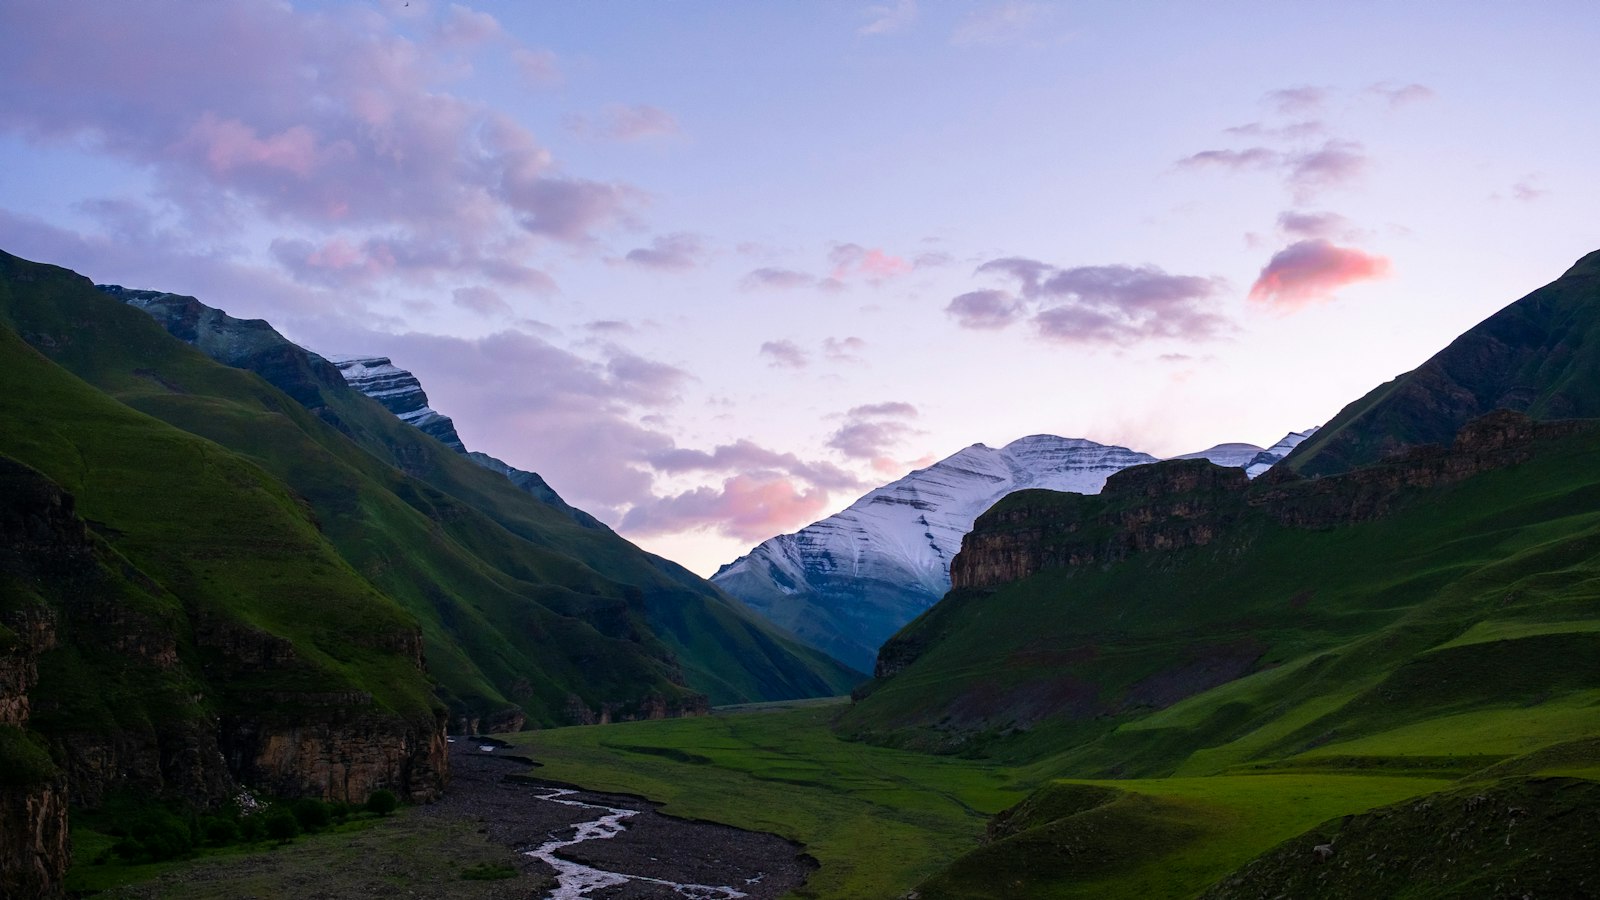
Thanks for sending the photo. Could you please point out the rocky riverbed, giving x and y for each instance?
(647, 854)
(526, 829)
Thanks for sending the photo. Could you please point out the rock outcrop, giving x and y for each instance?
(1189, 503)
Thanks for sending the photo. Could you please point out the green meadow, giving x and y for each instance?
(882, 822)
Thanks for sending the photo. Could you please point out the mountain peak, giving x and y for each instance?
(1586, 267)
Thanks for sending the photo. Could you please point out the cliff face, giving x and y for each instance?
(1189, 503)
(85, 618)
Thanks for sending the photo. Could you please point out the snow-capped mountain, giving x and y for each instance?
(846, 583)
(1269, 457)
(400, 393)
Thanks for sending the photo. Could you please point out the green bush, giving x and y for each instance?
(382, 802)
(219, 832)
(312, 814)
(154, 835)
(253, 828)
(339, 810)
(281, 825)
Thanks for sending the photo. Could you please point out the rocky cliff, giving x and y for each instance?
(1187, 503)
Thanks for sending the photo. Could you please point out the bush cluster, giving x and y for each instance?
(149, 832)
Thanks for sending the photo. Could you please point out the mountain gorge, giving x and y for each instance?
(224, 566)
(846, 583)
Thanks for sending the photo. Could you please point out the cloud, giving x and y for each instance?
(387, 175)
(889, 17)
(1296, 101)
(1334, 164)
(845, 349)
(772, 277)
(1305, 173)
(1315, 225)
(744, 456)
(1001, 24)
(986, 310)
(1311, 271)
(480, 300)
(750, 507)
(1398, 95)
(1110, 305)
(671, 252)
(1293, 131)
(1527, 191)
(624, 123)
(894, 408)
(1251, 158)
(539, 68)
(871, 431)
(784, 353)
(872, 264)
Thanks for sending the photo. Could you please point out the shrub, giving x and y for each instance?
(382, 802)
(253, 828)
(219, 832)
(281, 825)
(312, 814)
(339, 810)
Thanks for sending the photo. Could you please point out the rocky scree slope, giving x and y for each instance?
(846, 583)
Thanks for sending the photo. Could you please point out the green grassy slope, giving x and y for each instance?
(1539, 355)
(206, 590)
(511, 618)
(721, 648)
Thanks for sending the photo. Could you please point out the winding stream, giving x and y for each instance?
(576, 880)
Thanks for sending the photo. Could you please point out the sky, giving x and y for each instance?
(715, 269)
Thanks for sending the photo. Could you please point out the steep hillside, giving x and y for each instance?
(185, 624)
(516, 626)
(1186, 609)
(848, 582)
(1540, 355)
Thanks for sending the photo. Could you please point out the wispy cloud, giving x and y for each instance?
(1398, 95)
(870, 432)
(624, 123)
(887, 18)
(1002, 23)
(785, 354)
(670, 252)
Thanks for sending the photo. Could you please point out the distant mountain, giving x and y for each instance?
(1270, 457)
(846, 583)
(1540, 355)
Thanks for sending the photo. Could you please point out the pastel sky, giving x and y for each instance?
(716, 269)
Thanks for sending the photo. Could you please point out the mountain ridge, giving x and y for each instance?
(847, 582)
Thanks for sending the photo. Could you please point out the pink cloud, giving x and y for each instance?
(746, 456)
(747, 507)
(873, 264)
(214, 109)
(1314, 224)
(889, 17)
(846, 349)
(1399, 95)
(538, 67)
(1311, 271)
(1334, 164)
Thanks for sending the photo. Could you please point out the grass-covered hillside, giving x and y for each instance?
(524, 613)
(1540, 355)
(182, 609)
